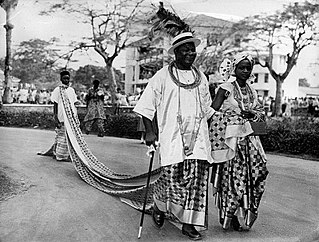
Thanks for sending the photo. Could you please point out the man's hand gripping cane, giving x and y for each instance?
(152, 143)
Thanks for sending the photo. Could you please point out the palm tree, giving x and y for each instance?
(8, 6)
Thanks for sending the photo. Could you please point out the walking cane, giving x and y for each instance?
(151, 152)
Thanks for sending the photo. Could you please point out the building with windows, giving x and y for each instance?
(145, 57)
(265, 84)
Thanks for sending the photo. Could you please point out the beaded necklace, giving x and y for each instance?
(188, 140)
(175, 79)
(244, 96)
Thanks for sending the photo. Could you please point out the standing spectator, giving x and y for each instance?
(23, 95)
(118, 97)
(272, 106)
(107, 96)
(123, 99)
(33, 95)
(311, 108)
(42, 97)
(267, 106)
(287, 112)
(95, 108)
(283, 106)
(15, 95)
(1, 95)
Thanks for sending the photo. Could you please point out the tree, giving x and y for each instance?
(86, 74)
(8, 6)
(214, 34)
(34, 61)
(295, 27)
(111, 28)
(212, 54)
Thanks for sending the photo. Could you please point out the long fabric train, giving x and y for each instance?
(130, 189)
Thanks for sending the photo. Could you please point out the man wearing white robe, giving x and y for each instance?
(178, 95)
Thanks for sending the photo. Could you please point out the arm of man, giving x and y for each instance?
(55, 114)
(75, 98)
(55, 100)
(147, 106)
(150, 132)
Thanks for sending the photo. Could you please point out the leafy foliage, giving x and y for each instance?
(124, 125)
(297, 136)
(294, 28)
(86, 74)
(6, 4)
(34, 61)
(112, 25)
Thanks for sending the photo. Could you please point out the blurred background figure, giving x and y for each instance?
(95, 109)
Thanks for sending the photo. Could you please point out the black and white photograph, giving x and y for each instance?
(150, 120)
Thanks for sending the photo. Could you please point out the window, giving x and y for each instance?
(256, 78)
(266, 77)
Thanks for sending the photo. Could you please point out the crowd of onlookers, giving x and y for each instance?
(289, 106)
(33, 95)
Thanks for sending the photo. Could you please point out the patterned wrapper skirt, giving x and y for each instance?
(61, 148)
(238, 183)
(181, 192)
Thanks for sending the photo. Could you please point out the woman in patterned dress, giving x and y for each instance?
(95, 108)
(239, 171)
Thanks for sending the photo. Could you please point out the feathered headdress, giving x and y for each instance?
(168, 23)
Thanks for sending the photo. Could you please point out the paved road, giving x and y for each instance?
(56, 205)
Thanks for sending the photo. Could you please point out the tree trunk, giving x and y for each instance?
(278, 99)
(7, 69)
(111, 81)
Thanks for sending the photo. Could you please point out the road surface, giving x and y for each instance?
(54, 204)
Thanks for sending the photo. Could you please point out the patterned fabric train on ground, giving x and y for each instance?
(130, 189)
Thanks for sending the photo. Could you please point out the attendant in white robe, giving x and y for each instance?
(60, 149)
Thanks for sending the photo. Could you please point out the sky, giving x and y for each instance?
(29, 24)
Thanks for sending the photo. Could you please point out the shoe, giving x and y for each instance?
(190, 231)
(236, 225)
(158, 217)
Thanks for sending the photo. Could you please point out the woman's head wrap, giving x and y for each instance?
(227, 67)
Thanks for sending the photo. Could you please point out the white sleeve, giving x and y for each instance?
(207, 99)
(151, 97)
(74, 96)
(55, 95)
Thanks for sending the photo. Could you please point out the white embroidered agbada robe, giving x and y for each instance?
(162, 95)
